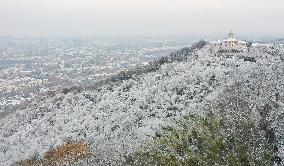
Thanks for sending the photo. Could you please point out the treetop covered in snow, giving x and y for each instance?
(119, 116)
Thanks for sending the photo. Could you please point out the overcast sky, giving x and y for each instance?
(139, 17)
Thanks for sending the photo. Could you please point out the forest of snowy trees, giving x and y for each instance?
(193, 107)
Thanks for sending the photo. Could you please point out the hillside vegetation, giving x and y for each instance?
(194, 107)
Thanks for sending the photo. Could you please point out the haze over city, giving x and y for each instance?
(142, 82)
(139, 17)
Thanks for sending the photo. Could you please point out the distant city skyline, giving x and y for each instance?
(139, 17)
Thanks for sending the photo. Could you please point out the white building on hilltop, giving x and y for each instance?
(230, 44)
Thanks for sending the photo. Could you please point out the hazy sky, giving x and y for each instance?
(139, 17)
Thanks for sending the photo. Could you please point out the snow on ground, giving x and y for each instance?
(117, 118)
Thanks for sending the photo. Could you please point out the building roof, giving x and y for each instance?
(230, 39)
(242, 42)
(230, 33)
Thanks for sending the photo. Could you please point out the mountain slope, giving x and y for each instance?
(118, 117)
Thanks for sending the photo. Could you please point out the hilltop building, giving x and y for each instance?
(230, 44)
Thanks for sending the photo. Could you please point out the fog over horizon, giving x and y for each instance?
(139, 17)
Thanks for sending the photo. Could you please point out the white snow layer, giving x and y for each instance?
(117, 118)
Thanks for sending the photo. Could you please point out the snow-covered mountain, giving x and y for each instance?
(118, 116)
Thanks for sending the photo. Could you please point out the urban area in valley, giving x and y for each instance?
(33, 66)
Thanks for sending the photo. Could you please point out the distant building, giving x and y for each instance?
(230, 44)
